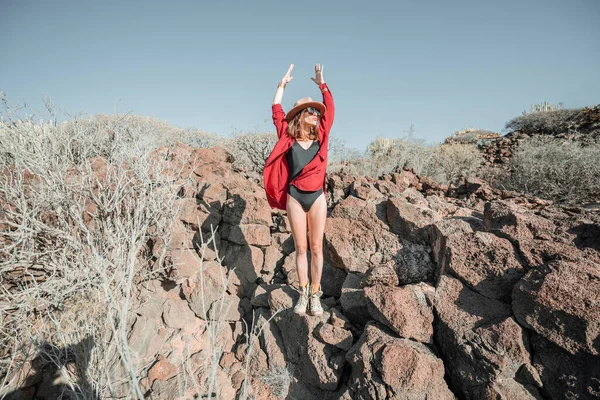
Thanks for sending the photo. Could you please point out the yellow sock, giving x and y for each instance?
(304, 284)
(315, 288)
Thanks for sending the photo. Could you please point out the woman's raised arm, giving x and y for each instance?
(327, 117)
(278, 114)
(281, 86)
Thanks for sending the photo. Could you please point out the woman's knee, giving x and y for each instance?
(316, 249)
(301, 249)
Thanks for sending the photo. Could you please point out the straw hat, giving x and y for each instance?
(303, 103)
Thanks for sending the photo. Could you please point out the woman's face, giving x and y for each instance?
(309, 117)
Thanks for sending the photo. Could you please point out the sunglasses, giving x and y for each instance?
(313, 110)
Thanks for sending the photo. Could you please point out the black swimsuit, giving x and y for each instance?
(298, 158)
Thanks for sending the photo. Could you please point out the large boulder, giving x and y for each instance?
(560, 302)
(405, 310)
(564, 375)
(410, 216)
(482, 344)
(387, 367)
(348, 244)
(317, 362)
(354, 301)
(208, 295)
(487, 263)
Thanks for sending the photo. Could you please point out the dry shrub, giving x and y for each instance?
(384, 155)
(449, 162)
(553, 169)
(547, 122)
(445, 163)
(279, 379)
(82, 203)
(76, 230)
(250, 150)
(470, 135)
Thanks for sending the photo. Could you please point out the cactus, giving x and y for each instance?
(545, 106)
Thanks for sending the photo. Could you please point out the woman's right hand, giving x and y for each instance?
(287, 77)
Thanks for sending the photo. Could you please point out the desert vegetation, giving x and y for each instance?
(86, 203)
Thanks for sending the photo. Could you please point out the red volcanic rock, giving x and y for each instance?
(405, 310)
(335, 335)
(482, 344)
(410, 221)
(373, 216)
(506, 219)
(251, 234)
(382, 274)
(162, 370)
(271, 341)
(485, 262)
(354, 301)
(243, 207)
(564, 375)
(196, 214)
(439, 234)
(246, 263)
(348, 244)
(560, 301)
(177, 314)
(317, 363)
(364, 188)
(386, 367)
(406, 178)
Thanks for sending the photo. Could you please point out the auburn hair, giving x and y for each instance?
(294, 127)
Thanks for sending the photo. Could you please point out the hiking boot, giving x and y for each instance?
(315, 303)
(302, 302)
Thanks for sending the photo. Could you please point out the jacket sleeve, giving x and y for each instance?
(279, 120)
(327, 119)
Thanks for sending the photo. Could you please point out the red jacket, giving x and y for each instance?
(276, 172)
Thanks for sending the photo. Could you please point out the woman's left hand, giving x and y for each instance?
(318, 79)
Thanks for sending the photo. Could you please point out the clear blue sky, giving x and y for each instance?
(439, 65)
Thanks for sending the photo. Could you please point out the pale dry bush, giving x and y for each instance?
(564, 171)
(279, 379)
(67, 286)
(84, 272)
(445, 163)
(385, 155)
(547, 122)
(470, 135)
(451, 161)
(250, 150)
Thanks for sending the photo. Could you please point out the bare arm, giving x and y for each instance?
(327, 118)
(281, 86)
(278, 114)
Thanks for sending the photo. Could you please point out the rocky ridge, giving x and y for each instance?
(429, 292)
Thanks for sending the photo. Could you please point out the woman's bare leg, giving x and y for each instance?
(297, 218)
(316, 225)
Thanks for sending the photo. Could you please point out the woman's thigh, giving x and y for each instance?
(297, 219)
(317, 215)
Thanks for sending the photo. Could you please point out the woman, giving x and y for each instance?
(294, 178)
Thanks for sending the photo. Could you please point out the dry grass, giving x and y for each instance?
(547, 122)
(82, 204)
(564, 171)
(279, 379)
